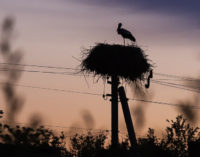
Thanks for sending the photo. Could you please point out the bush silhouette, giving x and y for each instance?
(181, 140)
(176, 143)
(29, 141)
(179, 135)
(89, 144)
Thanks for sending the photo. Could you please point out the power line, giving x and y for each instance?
(159, 79)
(67, 127)
(73, 74)
(78, 74)
(94, 94)
(39, 66)
(67, 68)
(37, 71)
(174, 86)
(53, 89)
(75, 128)
(163, 103)
(124, 134)
(176, 76)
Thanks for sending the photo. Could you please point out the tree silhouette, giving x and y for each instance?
(179, 135)
(89, 145)
(29, 141)
(176, 142)
(181, 140)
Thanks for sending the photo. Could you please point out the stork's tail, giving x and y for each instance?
(133, 39)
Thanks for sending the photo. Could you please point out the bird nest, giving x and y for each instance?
(127, 62)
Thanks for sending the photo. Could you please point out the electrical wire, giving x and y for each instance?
(37, 71)
(73, 74)
(53, 89)
(123, 134)
(39, 66)
(176, 76)
(95, 94)
(174, 86)
(67, 127)
(162, 79)
(67, 68)
(163, 103)
(183, 87)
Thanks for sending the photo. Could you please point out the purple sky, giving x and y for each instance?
(50, 32)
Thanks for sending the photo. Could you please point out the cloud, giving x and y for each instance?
(170, 6)
(184, 9)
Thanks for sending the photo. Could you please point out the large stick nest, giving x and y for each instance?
(127, 62)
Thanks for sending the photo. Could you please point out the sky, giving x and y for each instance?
(54, 33)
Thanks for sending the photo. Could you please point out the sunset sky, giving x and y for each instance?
(54, 32)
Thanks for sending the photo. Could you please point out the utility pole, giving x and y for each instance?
(114, 110)
(128, 120)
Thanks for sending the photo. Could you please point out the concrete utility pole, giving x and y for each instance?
(128, 120)
(114, 111)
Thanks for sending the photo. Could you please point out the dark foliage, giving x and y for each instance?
(127, 62)
(151, 146)
(179, 136)
(89, 145)
(26, 141)
(181, 140)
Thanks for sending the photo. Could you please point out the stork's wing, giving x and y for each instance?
(124, 31)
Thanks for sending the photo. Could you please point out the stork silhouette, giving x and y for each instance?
(125, 33)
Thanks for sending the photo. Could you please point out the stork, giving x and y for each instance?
(125, 33)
